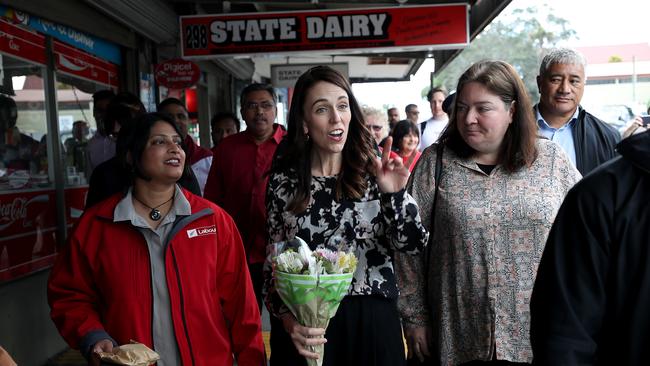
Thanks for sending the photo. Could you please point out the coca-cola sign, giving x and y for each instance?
(177, 74)
(16, 210)
(28, 231)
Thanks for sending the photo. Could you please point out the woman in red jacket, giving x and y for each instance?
(158, 265)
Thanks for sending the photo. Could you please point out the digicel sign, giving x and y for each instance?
(407, 27)
(177, 73)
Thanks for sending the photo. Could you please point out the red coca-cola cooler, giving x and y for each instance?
(27, 232)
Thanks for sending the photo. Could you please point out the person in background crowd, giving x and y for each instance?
(238, 176)
(122, 108)
(76, 146)
(101, 146)
(223, 125)
(405, 141)
(375, 120)
(431, 129)
(393, 118)
(587, 140)
(448, 104)
(199, 158)
(412, 113)
(592, 293)
(157, 265)
(499, 191)
(329, 188)
(17, 150)
(635, 126)
(113, 176)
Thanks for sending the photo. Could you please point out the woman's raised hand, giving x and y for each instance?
(390, 172)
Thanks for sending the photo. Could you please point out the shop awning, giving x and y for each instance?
(158, 20)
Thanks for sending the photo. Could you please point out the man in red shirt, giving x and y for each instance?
(199, 158)
(237, 180)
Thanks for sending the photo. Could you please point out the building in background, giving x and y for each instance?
(618, 81)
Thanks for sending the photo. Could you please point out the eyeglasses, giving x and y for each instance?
(266, 106)
(375, 127)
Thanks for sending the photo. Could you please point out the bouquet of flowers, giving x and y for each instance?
(312, 284)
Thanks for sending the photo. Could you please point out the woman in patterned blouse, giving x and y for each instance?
(499, 191)
(329, 188)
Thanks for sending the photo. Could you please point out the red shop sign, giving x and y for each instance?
(75, 62)
(177, 73)
(403, 28)
(20, 43)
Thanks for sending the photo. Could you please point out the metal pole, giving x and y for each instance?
(634, 78)
(56, 168)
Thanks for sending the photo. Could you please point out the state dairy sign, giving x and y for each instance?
(177, 73)
(404, 28)
(285, 76)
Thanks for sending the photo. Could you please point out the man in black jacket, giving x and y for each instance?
(591, 300)
(587, 140)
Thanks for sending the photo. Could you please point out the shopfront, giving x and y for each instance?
(47, 81)
(48, 74)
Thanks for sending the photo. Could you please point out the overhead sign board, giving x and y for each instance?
(404, 28)
(93, 45)
(177, 73)
(285, 76)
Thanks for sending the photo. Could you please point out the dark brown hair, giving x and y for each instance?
(134, 138)
(296, 157)
(401, 130)
(518, 146)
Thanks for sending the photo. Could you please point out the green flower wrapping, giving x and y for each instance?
(312, 284)
(313, 299)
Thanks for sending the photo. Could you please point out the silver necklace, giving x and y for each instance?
(154, 214)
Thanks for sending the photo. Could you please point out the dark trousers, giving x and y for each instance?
(365, 331)
(255, 270)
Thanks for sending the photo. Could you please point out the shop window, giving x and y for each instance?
(27, 199)
(23, 127)
(30, 224)
(76, 125)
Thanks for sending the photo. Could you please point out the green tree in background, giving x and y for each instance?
(518, 38)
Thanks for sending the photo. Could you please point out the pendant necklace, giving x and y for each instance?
(154, 214)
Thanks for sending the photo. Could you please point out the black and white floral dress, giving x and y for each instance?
(373, 227)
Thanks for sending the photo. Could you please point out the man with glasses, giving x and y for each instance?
(237, 180)
(200, 158)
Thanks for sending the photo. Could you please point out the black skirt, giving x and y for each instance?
(365, 331)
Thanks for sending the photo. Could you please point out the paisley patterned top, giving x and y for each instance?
(373, 227)
(488, 239)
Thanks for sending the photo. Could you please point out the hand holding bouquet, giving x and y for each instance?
(312, 284)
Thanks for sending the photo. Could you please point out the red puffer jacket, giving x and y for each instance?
(101, 286)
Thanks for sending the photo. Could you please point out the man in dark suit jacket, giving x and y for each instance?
(587, 140)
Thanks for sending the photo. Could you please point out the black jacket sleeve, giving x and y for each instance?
(569, 296)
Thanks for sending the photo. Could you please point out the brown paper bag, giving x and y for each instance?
(134, 354)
